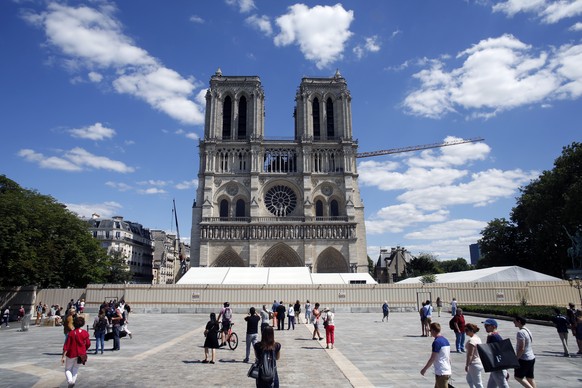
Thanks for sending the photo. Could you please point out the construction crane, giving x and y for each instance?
(181, 257)
(417, 148)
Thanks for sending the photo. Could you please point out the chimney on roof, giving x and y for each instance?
(95, 216)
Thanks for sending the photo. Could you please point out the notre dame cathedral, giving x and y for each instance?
(278, 203)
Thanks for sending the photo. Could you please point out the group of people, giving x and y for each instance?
(258, 322)
(572, 321)
(441, 349)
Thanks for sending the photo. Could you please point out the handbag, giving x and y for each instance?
(498, 355)
(82, 359)
(253, 372)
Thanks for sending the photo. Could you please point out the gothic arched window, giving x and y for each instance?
(319, 209)
(226, 117)
(316, 126)
(224, 209)
(242, 118)
(330, 121)
(334, 209)
(240, 208)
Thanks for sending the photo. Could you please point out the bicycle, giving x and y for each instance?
(231, 337)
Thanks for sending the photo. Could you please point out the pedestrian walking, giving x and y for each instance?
(75, 350)
(498, 378)
(385, 311)
(439, 304)
(211, 339)
(329, 325)
(473, 365)
(525, 355)
(291, 317)
(440, 357)
(316, 314)
(307, 312)
(562, 326)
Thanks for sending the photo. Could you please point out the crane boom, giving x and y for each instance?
(416, 148)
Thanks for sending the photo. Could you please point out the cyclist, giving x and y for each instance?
(226, 315)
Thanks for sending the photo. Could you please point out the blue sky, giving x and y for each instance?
(102, 102)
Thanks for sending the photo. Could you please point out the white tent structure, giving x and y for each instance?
(493, 274)
(269, 275)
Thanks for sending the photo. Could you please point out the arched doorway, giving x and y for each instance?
(331, 261)
(281, 255)
(228, 258)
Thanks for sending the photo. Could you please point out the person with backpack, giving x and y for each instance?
(562, 325)
(226, 315)
(100, 328)
(267, 352)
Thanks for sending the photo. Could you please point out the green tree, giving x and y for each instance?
(425, 279)
(456, 265)
(116, 269)
(424, 264)
(43, 243)
(534, 237)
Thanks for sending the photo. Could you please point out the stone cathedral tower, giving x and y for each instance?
(278, 203)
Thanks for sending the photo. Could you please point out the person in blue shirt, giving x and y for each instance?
(440, 357)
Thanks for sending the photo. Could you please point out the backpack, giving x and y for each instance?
(101, 325)
(267, 366)
(227, 313)
(452, 324)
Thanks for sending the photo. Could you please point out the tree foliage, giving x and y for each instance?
(535, 236)
(424, 264)
(456, 265)
(42, 243)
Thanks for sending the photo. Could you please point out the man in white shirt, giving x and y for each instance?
(440, 357)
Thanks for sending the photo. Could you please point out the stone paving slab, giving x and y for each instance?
(166, 350)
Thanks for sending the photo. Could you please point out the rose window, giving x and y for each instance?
(280, 200)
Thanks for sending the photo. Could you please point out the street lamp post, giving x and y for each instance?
(576, 282)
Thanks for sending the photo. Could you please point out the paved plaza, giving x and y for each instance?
(166, 350)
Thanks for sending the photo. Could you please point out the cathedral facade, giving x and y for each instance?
(278, 203)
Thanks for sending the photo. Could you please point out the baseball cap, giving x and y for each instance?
(490, 321)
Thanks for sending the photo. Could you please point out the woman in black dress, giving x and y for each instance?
(211, 341)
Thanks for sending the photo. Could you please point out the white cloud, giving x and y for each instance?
(52, 162)
(188, 135)
(81, 157)
(261, 23)
(152, 191)
(93, 132)
(396, 218)
(93, 38)
(371, 44)
(576, 27)
(196, 19)
(153, 182)
(76, 159)
(449, 229)
(95, 77)
(119, 186)
(86, 210)
(244, 6)
(483, 188)
(184, 185)
(497, 74)
(549, 12)
(320, 32)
